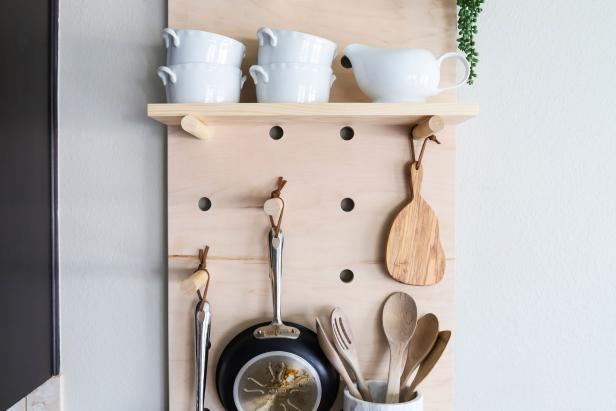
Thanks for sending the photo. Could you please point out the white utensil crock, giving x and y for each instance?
(292, 82)
(195, 46)
(202, 83)
(378, 390)
(280, 46)
(399, 75)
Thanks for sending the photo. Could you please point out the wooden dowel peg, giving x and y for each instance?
(194, 126)
(427, 127)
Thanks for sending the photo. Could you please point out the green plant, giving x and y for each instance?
(467, 28)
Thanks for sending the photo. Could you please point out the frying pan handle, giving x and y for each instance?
(275, 243)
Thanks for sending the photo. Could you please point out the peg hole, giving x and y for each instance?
(347, 204)
(205, 203)
(347, 133)
(345, 62)
(346, 275)
(276, 132)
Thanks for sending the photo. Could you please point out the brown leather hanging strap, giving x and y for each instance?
(417, 161)
(203, 266)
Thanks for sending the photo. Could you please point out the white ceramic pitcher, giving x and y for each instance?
(400, 75)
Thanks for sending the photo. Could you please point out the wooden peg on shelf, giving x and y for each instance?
(427, 127)
(192, 125)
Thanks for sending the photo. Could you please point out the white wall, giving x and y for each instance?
(112, 206)
(536, 220)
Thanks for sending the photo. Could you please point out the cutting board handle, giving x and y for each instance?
(416, 179)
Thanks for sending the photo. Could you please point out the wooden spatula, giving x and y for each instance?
(414, 252)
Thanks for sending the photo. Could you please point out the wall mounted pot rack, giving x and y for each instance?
(333, 154)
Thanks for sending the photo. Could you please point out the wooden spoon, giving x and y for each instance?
(428, 363)
(399, 322)
(414, 252)
(421, 343)
(333, 357)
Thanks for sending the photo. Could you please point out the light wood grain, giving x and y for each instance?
(237, 172)
(321, 239)
(414, 252)
(402, 114)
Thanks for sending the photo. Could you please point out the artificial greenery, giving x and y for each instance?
(467, 28)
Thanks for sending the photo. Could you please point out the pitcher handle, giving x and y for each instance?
(242, 81)
(256, 71)
(467, 68)
(171, 33)
(266, 31)
(164, 72)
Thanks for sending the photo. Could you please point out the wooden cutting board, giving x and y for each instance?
(414, 252)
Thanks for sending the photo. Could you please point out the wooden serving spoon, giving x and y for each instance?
(421, 343)
(399, 322)
(414, 252)
(428, 363)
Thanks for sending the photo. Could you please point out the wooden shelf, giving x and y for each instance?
(341, 113)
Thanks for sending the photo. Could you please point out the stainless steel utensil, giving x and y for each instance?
(203, 321)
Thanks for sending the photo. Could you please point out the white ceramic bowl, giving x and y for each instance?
(292, 82)
(195, 46)
(202, 83)
(280, 46)
(377, 390)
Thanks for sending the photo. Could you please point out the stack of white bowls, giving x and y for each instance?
(202, 67)
(293, 67)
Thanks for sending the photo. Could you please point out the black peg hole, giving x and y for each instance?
(276, 132)
(205, 203)
(345, 62)
(347, 204)
(347, 133)
(346, 276)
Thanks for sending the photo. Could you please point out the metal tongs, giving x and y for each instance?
(203, 322)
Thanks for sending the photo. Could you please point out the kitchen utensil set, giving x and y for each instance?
(413, 344)
(288, 364)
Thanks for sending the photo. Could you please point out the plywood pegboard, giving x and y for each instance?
(238, 165)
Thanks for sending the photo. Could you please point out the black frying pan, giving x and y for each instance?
(277, 366)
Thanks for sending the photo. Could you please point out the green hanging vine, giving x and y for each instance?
(467, 28)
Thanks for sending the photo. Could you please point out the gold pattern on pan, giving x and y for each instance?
(278, 388)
